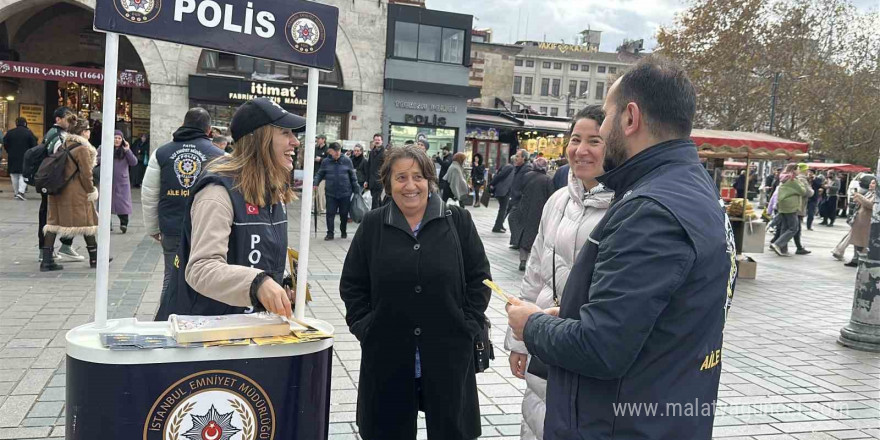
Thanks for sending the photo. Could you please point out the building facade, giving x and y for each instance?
(492, 72)
(56, 36)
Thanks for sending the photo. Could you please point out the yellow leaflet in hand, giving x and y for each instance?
(497, 290)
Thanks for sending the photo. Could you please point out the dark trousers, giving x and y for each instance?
(341, 205)
(831, 213)
(123, 219)
(169, 251)
(502, 211)
(377, 198)
(44, 214)
(811, 212)
(797, 235)
(789, 227)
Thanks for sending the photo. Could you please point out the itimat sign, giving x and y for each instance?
(289, 31)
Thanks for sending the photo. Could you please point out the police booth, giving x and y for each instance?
(128, 379)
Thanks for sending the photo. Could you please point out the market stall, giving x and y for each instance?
(715, 146)
(848, 173)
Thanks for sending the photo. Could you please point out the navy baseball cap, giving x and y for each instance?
(259, 112)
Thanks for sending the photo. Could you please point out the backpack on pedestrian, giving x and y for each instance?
(33, 158)
(50, 178)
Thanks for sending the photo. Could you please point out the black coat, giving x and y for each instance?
(502, 181)
(518, 180)
(399, 291)
(374, 164)
(17, 141)
(360, 168)
(537, 189)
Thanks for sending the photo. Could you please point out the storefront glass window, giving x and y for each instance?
(429, 43)
(247, 67)
(437, 137)
(406, 40)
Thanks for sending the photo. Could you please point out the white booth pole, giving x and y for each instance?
(111, 60)
(305, 214)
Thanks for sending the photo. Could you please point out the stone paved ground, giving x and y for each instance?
(784, 375)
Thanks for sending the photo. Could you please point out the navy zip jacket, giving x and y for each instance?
(339, 175)
(635, 352)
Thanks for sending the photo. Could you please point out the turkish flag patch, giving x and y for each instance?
(251, 209)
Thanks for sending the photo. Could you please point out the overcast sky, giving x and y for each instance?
(558, 20)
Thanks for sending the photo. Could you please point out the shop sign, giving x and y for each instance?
(140, 111)
(284, 95)
(438, 108)
(33, 114)
(289, 31)
(424, 120)
(291, 96)
(564, 48)
(81, 75)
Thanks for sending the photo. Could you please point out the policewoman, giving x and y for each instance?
(233, 246)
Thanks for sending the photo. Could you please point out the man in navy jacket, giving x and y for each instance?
(337, 171)
(635, 350)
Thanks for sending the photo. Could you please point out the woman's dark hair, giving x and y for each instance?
(593, 112)
(408, 152)
(478, 156)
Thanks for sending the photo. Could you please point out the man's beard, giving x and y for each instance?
(615, 148)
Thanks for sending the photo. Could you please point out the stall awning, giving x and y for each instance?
(492, 121)
(737, 144)
(544, 125)
(839, 167)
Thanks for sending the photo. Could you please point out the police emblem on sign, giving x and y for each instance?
(305, 32)
(187, 165)
(138, 11)
(212, 405)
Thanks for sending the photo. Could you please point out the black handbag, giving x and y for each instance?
(483, 349)
(537, 367)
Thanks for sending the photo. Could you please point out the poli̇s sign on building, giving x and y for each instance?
(295, 32)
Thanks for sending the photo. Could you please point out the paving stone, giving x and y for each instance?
(14, 409)
(828, 425)
(22, 433)
(34, 381)
(46, 409)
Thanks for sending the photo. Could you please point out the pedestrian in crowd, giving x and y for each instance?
(141, 150)
(478, 177)
(500, 188)
(376, 159)
(832, 191)
(788, 205)
(568, 219)
(444, 161)
(455, 180)
(522, 166)
(233, 246)
(54, 139)
(537, 189)
(560, 177)
(360, 164)
(418, 351)
(220, 142)
(740, 185)
(123, 159)
(17, 141)
(340, 179)
(424, 145)
(860, 232)
(320, 155)
(173, 171)
(72, 211)
(816, 182)
(645, 302)
(802, 213)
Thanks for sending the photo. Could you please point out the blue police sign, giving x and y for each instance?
(289, 31)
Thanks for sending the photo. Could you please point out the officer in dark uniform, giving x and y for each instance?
(233, 249)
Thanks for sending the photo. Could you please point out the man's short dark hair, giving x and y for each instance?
(664, 94)
(198, 117)
(62, 112)
(321, 136)
(378, 134)
(409, 142)
(593, 112)
(335, 146)
(20, 122)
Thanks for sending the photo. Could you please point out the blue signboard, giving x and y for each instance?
(289, 31)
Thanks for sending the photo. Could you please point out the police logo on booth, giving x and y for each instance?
(212, 405)
(305, 32)
(138, 11)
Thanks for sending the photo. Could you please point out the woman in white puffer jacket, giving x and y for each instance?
(567, 220)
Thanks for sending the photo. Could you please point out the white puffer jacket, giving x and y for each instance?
(568, 219)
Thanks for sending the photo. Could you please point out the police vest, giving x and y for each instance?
(182, 163)
(258, 239)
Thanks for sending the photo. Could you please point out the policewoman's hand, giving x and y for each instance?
(274, 298)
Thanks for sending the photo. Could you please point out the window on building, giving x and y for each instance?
(600, 90)
(516, 108)
(453, 46)
(517, 85)
(585, 67)
(429, 42)
(556, 83)
(585, 89)
(545, 86)
(572, 88)
(600, 69)
(518, 62)
(406, 40)
(557, 66)
(527, 90)
(530, 63)
(262, 70)
(543, 110)
(612, 70)
(554, 111)
(570, 113)
(574, 67)
(545, 64)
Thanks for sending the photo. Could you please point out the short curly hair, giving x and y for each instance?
(418, 155)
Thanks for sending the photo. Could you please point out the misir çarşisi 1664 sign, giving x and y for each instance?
(289, 31)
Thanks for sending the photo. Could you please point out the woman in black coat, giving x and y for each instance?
(537, 189)
(414, 298)
(478, 177)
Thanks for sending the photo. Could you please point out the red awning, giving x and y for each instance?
(839, 167)
(718, 143)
